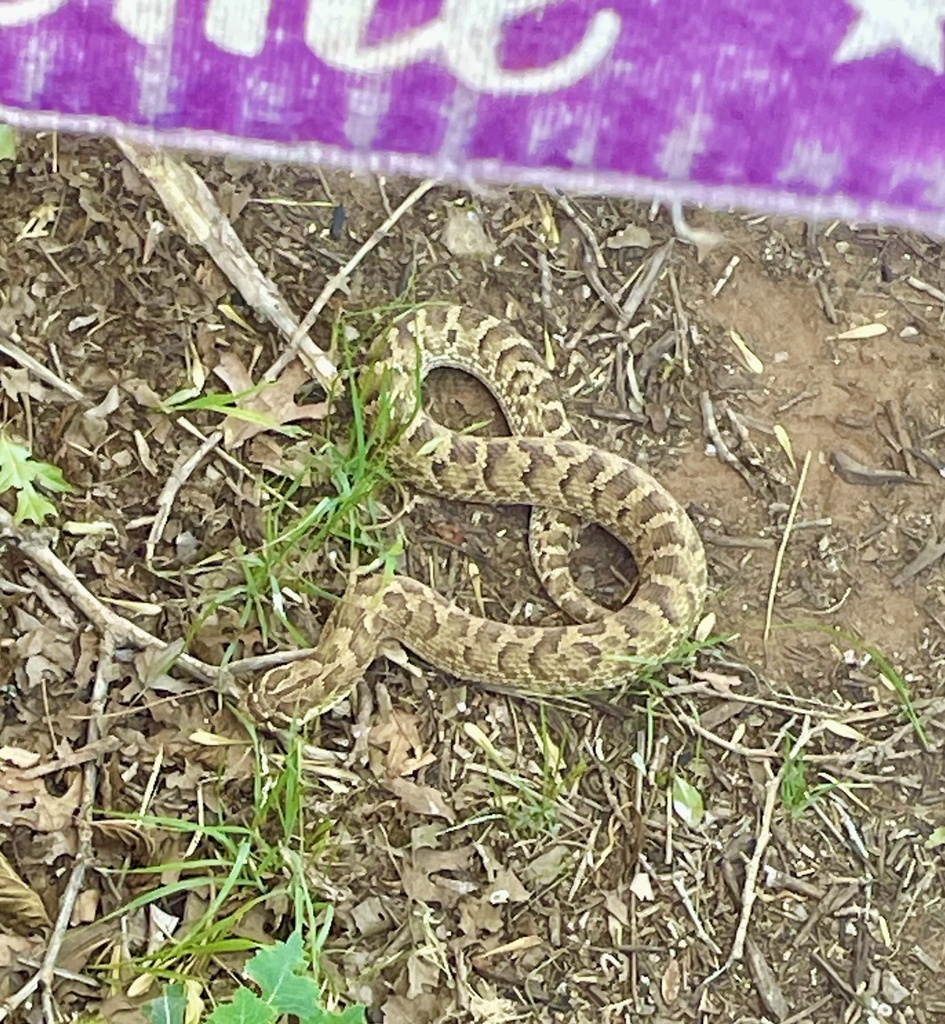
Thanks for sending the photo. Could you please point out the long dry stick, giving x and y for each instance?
(202, 222)
(753, 868)
(779, 558)
(84, 854)
(33, 544)
(43, 978)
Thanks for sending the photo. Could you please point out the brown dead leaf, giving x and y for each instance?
(400, 734)
(423, 1009)
(465, 235)
(492, 1009)
(21, 910)
(16, 382)
(424, 880)
(371, 917)
(631, 236)
(480, 916)
(671, 982)
(421, 799)
(766, 982)
(550, 865)
(424, 888)
(422, 975)
(274, 400)
(25, 800)
(14, 947)
(18, 757)
(507, 888)
(721, 682)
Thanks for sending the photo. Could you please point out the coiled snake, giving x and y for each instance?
(546, 469)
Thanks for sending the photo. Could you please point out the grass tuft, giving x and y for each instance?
(266, 862)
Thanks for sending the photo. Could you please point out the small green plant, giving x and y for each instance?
(796, 793)
(22, 473)
(283, 989)
(895, 680)
(529, 807)
(226, 403)
(687, 802)
(889, 675)
(350, 467)
(650, 673)
(265, 861)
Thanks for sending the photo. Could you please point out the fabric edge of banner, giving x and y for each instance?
(493, 173)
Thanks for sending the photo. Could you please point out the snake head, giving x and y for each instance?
(292, 695)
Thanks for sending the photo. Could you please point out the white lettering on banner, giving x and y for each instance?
(465, 34)
(238, 26)
(149, 21)
(19, 12)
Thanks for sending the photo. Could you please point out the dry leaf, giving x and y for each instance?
(630, 237)
(844, 731)
(860, 333)
(275, 400)
(506, 888)
(642, 887)
(421, 799)
(671, 982)
(550, 866)
(21, 910)
(719, 681)
(371, 917)
(464, 234)
(400, 734)
(785, 441)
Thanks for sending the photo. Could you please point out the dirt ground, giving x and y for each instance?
(489, 857)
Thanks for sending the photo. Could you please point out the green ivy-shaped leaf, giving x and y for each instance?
(21, 472)
(285, 991)
(274, 970)
(169, 1006)
(244, 1008)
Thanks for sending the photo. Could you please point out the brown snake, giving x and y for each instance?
(548, 472)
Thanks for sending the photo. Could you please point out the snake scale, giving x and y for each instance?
(541, 465)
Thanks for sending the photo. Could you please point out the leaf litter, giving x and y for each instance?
(485, 879)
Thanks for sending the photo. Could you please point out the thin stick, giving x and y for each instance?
(46, 973)
(593, 258)
(84, 853)
(714, 435)
(338, 280)
(10, 348)
(202, 222)
(32, 544)
(179, 476)
(894, 413)
(753, 868)
(779, 557)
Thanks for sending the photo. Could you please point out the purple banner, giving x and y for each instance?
(817, 107)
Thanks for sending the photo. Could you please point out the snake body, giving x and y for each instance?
(553, 472)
